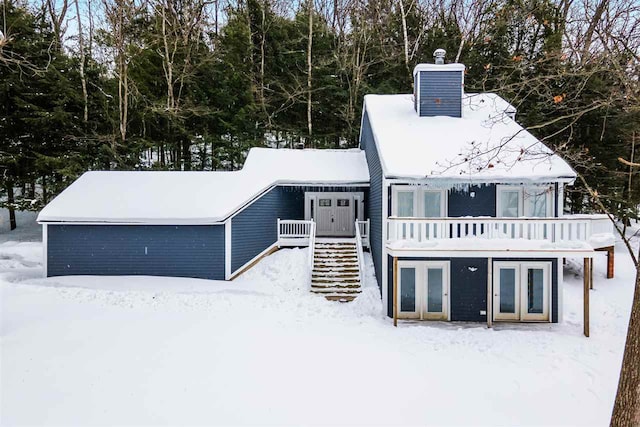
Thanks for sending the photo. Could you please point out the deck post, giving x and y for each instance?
(590, 273)
(610, 262)
(489, 293)
(587, 275)
(395, 291)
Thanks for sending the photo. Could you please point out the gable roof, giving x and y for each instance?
(162, 197)
(485, 145)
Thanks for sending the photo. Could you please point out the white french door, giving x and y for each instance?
(423, 290)
(522, 291)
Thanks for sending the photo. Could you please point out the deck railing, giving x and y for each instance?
(293, 232)
(562, 229)
(362, 227)
(360, 252)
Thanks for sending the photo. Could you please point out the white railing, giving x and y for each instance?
(562, 229)
(293, 232)
(360, 253)
(312, 244)
(363, 228)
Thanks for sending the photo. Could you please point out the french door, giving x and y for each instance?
(522, 291)
(423, 290)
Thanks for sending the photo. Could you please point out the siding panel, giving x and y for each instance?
(441, 93)
(374, 201)
(151, 250)
(482, 204)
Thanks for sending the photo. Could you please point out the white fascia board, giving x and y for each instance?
(227, 249)
(477, 181)
(45, 249)
(476, 253)
(438, 67)
(65, 221)
(375, 142)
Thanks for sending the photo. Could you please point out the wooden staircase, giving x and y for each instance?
(335, 273)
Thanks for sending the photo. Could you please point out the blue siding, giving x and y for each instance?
(374, 201)
(151, 250)
(482, 204)
(254, 229)
(441, 93)
(468, 289)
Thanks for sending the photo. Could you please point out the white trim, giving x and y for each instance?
(521, 268)
(252, 260)
(167, 222)
(560, 199)
(418, 199)
(45, 249)
(560, 291)
(439, 67)
(477, 253)
(421, 268)
(384, 284)
(500, 188)
(227, 249)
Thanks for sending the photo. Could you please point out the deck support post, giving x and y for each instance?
(489, 292)
(610, 262)
(587, 276)
(590, 273)
(395, 291)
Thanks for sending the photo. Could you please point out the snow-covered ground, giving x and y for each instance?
(263, 350)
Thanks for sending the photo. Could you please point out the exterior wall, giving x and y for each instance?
(440, 93)
(482, 204)
(373, 203)
(255, 228)
(152, 250)
(468, 286)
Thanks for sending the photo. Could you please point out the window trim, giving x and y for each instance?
(421, 268)
(524, 209)
(418, 199)
(501, 188)
(521, 268)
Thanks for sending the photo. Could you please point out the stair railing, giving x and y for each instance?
(312, 243)
(360, 253)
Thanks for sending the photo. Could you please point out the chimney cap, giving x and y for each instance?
(439, 55)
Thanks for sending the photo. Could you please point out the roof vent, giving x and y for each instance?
(439, 55)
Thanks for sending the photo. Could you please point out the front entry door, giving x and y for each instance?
(335, 214)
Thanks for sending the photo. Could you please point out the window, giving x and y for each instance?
(343, 202)
(538, 201)
(509, 200)
(433, 204)
(405, 203)
(324, 203)
(530, 201)
(417, 201)
(522, 291)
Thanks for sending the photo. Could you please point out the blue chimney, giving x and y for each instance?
(438, 87)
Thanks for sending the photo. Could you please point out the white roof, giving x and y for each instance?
(199, 197)
(485, 145)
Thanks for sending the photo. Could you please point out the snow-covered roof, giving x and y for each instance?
(161, 197)
(485, 145)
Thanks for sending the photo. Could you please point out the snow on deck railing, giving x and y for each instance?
(360, 252)
(363, 228)
(293, 232)
(561, 229)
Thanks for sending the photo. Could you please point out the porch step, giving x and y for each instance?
(336, 274)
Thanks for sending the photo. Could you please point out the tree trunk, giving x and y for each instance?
(83, 79)
(309, 45)
(10, 205)
(626, 411)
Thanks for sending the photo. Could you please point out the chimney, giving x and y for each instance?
(438, 87)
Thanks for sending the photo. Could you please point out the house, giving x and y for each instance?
(461, 208)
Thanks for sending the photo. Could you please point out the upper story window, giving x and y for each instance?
(530, 201)
(415, 201)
